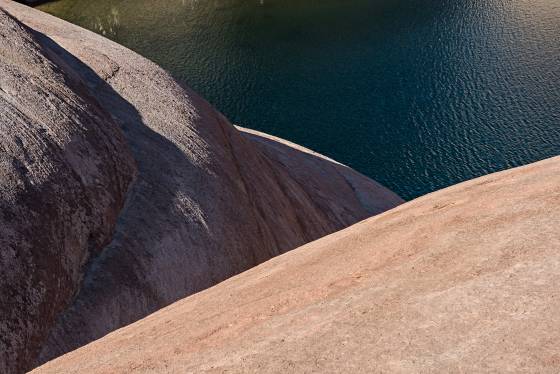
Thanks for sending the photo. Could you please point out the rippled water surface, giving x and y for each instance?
(417, 94)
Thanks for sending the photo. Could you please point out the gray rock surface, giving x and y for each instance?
(208, 201)
(64, 172)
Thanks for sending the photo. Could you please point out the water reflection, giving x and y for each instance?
(109, 25)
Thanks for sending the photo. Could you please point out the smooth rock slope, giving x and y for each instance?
(91, 131)
(466, 279)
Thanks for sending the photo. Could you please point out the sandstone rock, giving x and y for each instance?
(462, 280)
(208, 201)
(466, 279)
(64, 172)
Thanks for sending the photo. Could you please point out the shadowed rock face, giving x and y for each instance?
(64, 172)
(465, 279)
(207, 202)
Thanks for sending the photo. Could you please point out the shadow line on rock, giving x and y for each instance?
(104, 270)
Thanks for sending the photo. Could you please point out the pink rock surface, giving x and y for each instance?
(466, 279)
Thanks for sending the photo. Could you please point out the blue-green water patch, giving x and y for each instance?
(417, 94)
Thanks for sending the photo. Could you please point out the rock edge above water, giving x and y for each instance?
(157, 195)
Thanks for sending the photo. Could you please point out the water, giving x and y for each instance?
(417, 94)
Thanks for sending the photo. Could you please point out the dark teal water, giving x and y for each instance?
(417, 94)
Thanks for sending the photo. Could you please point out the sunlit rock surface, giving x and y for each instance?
(466, 279)
(93, 132)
